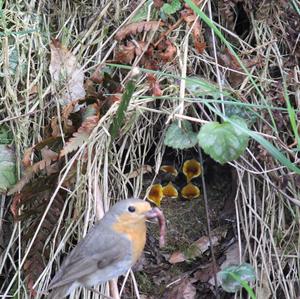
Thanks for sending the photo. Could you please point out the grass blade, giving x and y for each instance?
(120, 115)
(244, 284)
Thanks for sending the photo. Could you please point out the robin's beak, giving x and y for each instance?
(158, 214)
(153, 213)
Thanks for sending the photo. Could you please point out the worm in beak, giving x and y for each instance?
(158, 214)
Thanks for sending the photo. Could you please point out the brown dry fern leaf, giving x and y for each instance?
(34, 198)
(39, 253)
(31, 171)
(135, 28)
(81, 136)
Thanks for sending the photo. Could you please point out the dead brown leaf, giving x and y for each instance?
(206, 273)
(15, 205)
(199, 43)
(67, 76)
(44, 148)
(195, 2)
(97, 76)
(194, 251)
(229, 60)
(158, 3)
(198, 247)
(203, 243)
(54, 127)
(125, 53)
(138, 27)
(90, 89)
(232, 258)
(33, 90)
(49, 155)
(68, 109)
(154, 85)
(142, 47)
(191, 19)
(26, 161)
(183, 290)
(168, 51)
(177, 257)
(114, 98)
(66, 123)
(142, 170)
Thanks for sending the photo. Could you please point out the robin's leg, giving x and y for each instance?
(99, 293)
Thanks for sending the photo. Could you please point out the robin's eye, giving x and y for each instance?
(131, 209)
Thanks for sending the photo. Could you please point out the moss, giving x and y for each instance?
(144, 282)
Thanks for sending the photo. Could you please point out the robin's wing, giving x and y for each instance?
(92, 255)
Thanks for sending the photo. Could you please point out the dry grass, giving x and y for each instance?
(267, 205)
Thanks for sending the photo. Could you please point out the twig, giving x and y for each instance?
(208, 227)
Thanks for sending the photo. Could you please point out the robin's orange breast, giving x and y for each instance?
(135, 231)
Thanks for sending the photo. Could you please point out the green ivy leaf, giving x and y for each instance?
(241, 111)
(232, 278)
(223, 142)
(171, 8)
(14, 60)
(180, 138)
(7, 168)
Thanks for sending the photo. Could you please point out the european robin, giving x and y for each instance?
(109, 249)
